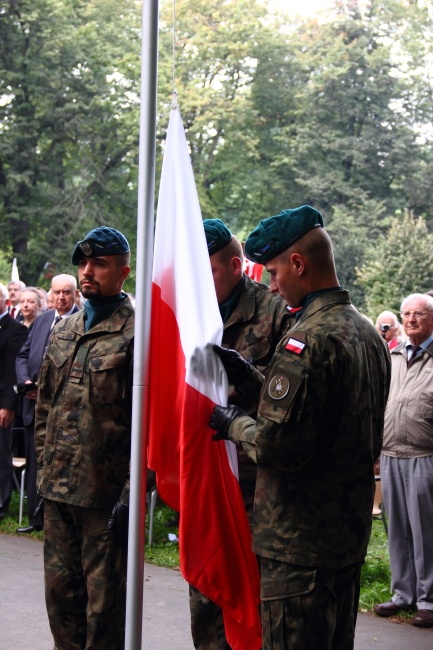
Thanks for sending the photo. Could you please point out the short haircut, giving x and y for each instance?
(37, 294)
(66, 278)
(123, 259)
(421, 296)
(233, 249)
(19, 284)
(390, 316)
(4, 291)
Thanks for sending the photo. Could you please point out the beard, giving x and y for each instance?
(91, 291)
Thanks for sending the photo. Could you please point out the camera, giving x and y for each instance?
(385, 328)
(22, 389)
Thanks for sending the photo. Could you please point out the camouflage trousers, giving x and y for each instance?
(308, 609)
(85, 579)
(207, 624)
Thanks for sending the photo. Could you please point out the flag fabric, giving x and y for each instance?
(15, 276)
(196, 476)
(253, 270)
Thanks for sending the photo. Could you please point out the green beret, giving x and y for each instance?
(100, 242)
(273, 235)
(217, 235)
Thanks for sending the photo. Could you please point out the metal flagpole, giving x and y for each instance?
(145, 222)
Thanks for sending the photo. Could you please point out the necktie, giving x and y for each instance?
(13, 310)
(55, 321)
(415, 349)
(47, 342)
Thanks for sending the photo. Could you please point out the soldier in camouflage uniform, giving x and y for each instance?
(315, 439)
(254, 321)
(83, 438)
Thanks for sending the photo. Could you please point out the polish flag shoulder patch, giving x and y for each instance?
(295, 346)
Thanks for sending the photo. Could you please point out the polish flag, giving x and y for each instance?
(295, 346)
(196, 476)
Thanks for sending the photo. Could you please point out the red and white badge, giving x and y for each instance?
(295, 346)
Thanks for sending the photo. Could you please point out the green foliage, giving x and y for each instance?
(397, 264)
(10, 523)
(162, 551)
(375, 577)
(278, 112)
(376, 573)
(67, 125)
(5, 268)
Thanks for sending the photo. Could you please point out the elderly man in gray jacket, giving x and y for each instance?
(407, 465)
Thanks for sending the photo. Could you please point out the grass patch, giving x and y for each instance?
(375, 577)
(376, 573)
(162, 551)
(10, 523)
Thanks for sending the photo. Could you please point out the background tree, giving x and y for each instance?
(67, 130)
(278, 112)
(5, 268)
(398, 264)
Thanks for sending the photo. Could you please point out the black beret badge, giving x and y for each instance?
(85, 248)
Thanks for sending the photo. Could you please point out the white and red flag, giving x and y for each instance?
(196, 476)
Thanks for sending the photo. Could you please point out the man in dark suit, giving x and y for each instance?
(15, 287)
(12, 336)
(29, 361)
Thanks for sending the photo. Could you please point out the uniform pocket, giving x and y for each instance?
(283, 580)
(109, 376)
(57, 355)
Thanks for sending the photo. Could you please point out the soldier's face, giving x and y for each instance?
(101, 276)
(225, 275)
(283, 279)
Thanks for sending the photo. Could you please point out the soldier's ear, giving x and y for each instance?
(124, 272)
(236, 263)
(298, 263)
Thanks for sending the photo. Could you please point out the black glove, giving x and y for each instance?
(237, 369)
(118, 522)
(39, 510)
(221, 419)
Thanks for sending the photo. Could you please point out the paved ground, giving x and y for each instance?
(24, 624)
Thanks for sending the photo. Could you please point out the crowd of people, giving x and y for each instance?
(316, 394)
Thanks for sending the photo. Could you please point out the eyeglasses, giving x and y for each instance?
(417, 314)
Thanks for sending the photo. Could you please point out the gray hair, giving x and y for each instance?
(19, 284)
(66, 278)
(390, 316)
(428, 300)
(4, 291)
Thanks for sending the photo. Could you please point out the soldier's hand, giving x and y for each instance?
(236, 367)
(118, 522)
(39, 510)
(221, 419)
(119, 518)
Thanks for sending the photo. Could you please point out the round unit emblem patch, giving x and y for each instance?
(278, 387)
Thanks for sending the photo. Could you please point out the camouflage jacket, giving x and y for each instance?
(254, 329)
(318, 432)
(257, 323)
(83, 411)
